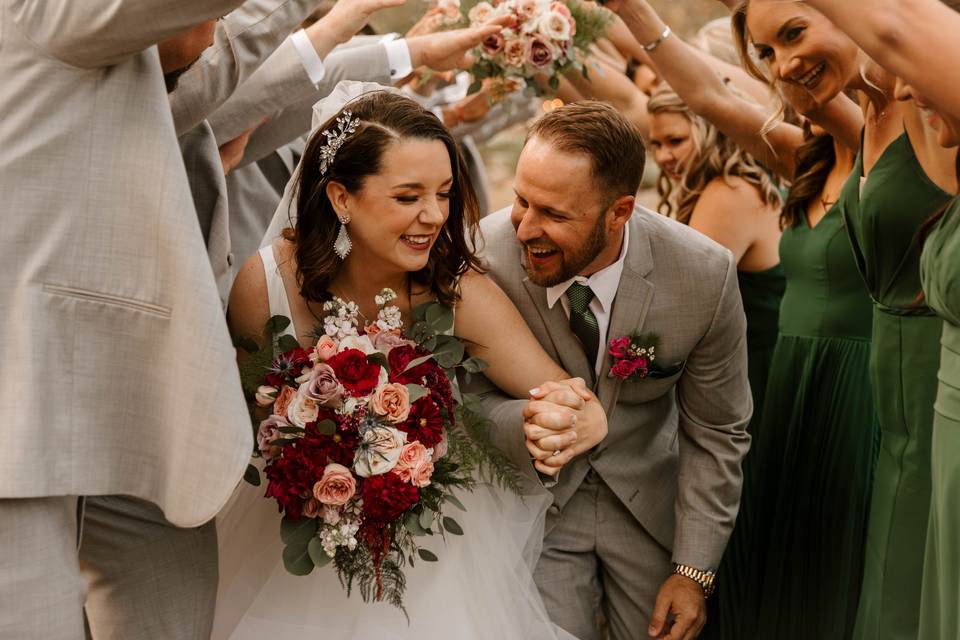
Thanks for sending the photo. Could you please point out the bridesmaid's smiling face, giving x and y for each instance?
(802, 47)
(671, 138)
(396, 217)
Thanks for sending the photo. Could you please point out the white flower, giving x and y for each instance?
(378, 451)
(266, 395)
(481, 12)
(389, 319)
(554, 25)
(331, 515)
(360, 343)
(302, 409)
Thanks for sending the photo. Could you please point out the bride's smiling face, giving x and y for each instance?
(397, 215)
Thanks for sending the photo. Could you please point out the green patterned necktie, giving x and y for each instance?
(582, 321)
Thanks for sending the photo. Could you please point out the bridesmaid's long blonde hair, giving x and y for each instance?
(714, 156)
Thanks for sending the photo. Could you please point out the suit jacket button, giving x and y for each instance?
(554, 509)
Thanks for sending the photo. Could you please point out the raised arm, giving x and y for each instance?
(609, 85)
(99, 33)
(707, 94)
(915, 40)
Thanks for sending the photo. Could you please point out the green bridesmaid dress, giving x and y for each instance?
(793, 565)
(761, 292)
(883, 223)
(940, 597)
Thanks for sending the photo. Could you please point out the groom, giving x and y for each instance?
(639, 520)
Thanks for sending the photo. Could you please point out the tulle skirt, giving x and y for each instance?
(481, 588)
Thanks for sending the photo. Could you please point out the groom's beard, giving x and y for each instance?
(571, 263)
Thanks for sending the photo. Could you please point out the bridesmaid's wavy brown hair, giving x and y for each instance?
(385, 118)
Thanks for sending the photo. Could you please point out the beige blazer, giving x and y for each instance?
(117, 367)
(675, 443)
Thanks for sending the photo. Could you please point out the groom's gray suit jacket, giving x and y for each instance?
(675, 444)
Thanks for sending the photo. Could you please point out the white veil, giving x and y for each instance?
(345, 91)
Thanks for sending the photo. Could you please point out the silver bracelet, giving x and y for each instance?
(656, 43)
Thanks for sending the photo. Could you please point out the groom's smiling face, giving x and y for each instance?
(559, 214)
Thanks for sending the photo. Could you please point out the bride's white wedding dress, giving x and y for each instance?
(481, 588)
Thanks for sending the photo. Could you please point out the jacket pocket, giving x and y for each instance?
(107, 298)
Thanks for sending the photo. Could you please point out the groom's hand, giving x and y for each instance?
(563, 420)
(680, 600)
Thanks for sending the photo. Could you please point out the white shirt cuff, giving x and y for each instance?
(311, 62)
(398, 59)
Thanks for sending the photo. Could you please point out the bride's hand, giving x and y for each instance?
(562, 421)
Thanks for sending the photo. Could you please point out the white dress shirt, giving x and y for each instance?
(604, 284)
(398, 56)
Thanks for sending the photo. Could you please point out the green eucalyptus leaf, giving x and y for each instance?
(252, 475)
(416, 362)
(277, 324)
(379, 358)
(292, 430)
(318, 556)
(297, 533)
(247, 344)
(474, 87)
(283, 442)
(440, 317)
(286, 343)
(455, 501)
(427, 556)
(297, 560)
(449, 351)
(555, 82)
(416, 392)
(473, 365)
(451, 525)
(327, 427)
(426, 519)
(412, 523)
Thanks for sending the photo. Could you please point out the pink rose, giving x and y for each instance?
(564, 10)
(311, 508)
(284, 398)
(538, 53)
(619, 346)
(324, 387)
(414, 465)
(384, 341)
(391, 401)
(269, 431)
(513, 52)
(526, 9)
(336, 486)
(492, 44)
(325, 349)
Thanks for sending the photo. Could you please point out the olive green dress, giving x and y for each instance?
(761, 292)
(884, 227)
(793, 565)
(940, 597)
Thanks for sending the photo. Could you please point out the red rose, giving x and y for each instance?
(358, 376)
(425, 423)
(386, 497)
(400, 357)
(622, 369)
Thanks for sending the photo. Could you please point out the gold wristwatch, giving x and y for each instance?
(701, 577)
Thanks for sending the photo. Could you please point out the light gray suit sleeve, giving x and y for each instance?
(715, 406)
(100, 33)
(365, 63)
(244, 39)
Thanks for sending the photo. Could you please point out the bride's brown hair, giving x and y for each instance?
(385, 118)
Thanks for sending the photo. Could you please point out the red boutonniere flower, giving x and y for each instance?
(632, 356)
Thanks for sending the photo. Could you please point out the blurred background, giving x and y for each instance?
(500, 152)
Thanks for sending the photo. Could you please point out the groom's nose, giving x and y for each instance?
(529, 227)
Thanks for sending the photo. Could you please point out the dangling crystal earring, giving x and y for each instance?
(342, 244)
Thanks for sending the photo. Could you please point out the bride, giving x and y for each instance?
(395, 194)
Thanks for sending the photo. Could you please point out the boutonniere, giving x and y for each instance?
(633, 356)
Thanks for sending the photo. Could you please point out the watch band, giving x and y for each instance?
(703, 578)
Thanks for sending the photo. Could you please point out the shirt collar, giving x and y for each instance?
(603, 283)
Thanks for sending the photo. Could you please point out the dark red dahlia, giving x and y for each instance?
(358, 376)
(386, 497)
(424, 424)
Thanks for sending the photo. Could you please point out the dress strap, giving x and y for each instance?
(276, 292)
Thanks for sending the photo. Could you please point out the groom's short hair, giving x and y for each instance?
(615, 147)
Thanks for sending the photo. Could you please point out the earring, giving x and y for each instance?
(342, 244)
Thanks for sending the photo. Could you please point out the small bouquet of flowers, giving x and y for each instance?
(541, 39)
(366, 440)
(633, 356)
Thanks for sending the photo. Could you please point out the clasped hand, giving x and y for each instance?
(562, 420)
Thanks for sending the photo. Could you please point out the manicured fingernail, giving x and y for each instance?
(535, 391)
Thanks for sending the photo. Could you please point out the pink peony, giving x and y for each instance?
(414, 465)
(392, 401)
(336, 486)
(284, 398)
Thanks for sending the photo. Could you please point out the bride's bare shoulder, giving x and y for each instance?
(249, 306)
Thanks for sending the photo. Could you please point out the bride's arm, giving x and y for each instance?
(495, 331)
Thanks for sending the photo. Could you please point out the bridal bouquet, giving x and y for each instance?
(366, 441)
(542, 38)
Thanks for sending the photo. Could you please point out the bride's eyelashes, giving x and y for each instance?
(413, 199)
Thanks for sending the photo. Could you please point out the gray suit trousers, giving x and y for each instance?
(598, 558)
(148, 579)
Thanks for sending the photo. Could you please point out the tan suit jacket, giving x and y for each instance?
(118, 370)
(675, 443)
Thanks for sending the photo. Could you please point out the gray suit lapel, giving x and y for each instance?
(568, 348)
(630, 307)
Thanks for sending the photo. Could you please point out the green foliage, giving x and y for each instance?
(252, 475)
(592, 23)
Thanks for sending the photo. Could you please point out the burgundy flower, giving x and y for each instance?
(386, 497)
(619, 346)
(358, 376)
(425, 423)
